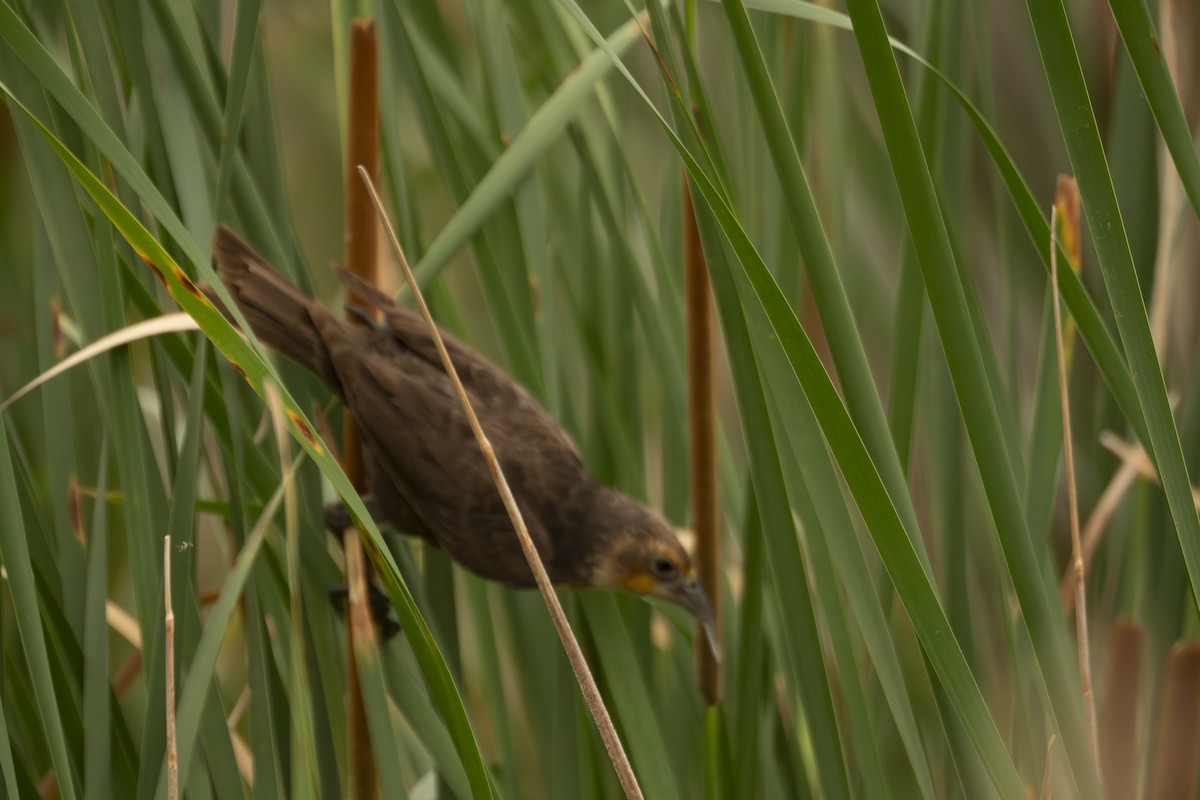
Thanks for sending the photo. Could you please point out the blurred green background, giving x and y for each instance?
(895, 516)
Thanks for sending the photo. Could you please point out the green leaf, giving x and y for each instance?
(255, 370)
(1086, 151)
(15, 552)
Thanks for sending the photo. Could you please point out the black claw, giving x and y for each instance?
(337, 517)
(381, 607)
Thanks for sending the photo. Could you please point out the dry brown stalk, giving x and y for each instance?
(583, 674)
(169, 626)
(1171, 201)
(1046, 772)
(1177, 744)
(360, 228)
(1068, 189)
(1135, 455)
(361, 253)
(1122, 705)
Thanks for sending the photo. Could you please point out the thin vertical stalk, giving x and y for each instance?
(361, 251)
(360, 227)
(1045, 792)
(1068, 198)
(169, 667)
(1170, 203)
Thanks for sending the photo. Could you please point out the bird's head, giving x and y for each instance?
(642, 554)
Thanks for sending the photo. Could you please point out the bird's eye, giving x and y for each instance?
(664, 568)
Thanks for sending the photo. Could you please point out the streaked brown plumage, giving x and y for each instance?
(426, 476)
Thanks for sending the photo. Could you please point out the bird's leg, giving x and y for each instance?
(381, 607)
(337, 516)
(337, 519)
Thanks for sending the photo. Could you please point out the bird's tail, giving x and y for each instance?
(280, 314)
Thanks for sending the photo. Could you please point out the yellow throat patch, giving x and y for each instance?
(641, 583)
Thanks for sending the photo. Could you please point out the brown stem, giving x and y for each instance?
(1066, 187)
(1122, 705)
(361, 257)
(361, 239)
(1046, 771)
(169, 624)
(1177, 745)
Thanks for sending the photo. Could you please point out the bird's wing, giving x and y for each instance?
(484, 381)
(411, 332)
(410, 416)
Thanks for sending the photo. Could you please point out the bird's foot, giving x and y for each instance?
(337, 516)
(338, 519)
(381, 607)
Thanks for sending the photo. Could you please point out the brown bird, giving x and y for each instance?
(425, 473)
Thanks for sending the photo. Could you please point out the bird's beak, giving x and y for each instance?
(693, 599)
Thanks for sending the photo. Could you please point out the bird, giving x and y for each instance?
(425, 474)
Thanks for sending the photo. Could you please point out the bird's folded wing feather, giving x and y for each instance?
(408, 412)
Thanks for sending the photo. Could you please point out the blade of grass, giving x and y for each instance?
(185, 183)
(1137, 33)
(1067, 86)
(631, 696)
(265, 722)
(826, 727)
(886, 528)
(1093, 331)
(98, 744)
(750, 657)
(422, 716)
(254, 369)
(983, 423)
(15, 552)
(218, 746)
(790, 587)
(836, 531)
(514, 163)
(505, 291)
(841, 331)
(860, 734)
(59, 423)
(702, 452)
(7, 765)
(183, 48)
(194, 691)
(245, 35)
(497, 699)
(389, 781)
(1045, 433)
(530, 278)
